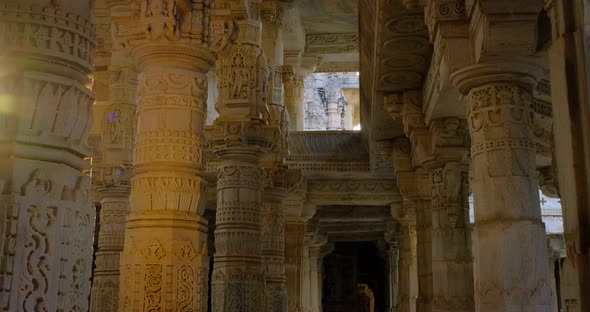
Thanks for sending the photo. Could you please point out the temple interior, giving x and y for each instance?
(295, 155)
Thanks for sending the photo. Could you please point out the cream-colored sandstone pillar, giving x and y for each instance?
(273, 249)
(510, 243)
(164, 263)
(111, 176)
(46, 215)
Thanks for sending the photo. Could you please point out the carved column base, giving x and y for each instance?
(165, 263)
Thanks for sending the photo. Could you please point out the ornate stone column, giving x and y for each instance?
(242, 136)
(451, 231)
(46, 214)
(405, 215)
(510, 242)
(569, 56)
(424, 303)
(273, 242)
(112, 176)
(393, 272)
(334, 116)
(451, 239)
(294, 244)
(415, 186)
(317, 251)
(294, 86)
(164, 263)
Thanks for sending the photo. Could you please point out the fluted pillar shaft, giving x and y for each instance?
(510, 242)
(273, 250)
(424, 235)
(452, 267)
(46, 104)
(164, 264)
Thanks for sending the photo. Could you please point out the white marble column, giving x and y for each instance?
(242, 136)
(334, 116)
(294, 246)
(510, 263)
(46, 112)
(569, 65)
(424, 252)
(273, 249)
(111, 175)
(317, 251)
(404, 296)
(294, 89)
(164, 265)
(393, 252)
(452, 266)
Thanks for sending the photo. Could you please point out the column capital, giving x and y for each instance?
(156, 29)
(525, 73)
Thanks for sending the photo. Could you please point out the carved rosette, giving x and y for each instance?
(46, 212)
(503, 152)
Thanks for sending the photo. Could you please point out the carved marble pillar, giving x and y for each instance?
(294, 244)
(242, 136)
(316, 255)
(424, 235)
(111, 175)
(294, 90)
(334, 116)
(46, 112)
(164, 263)
(415, 186)
(393, 272)
(569, 56)
(273, 250)
(407, 220)
(452, 268)
(510, 243)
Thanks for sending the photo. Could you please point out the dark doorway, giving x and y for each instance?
(350, 267)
